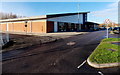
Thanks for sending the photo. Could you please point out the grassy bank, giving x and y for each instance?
(106, 52)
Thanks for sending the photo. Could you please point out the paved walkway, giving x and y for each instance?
(51, 34)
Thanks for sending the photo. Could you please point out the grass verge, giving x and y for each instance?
(107, 51)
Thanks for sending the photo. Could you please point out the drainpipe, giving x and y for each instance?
(26, 26)
(13, 26)
(30, 26)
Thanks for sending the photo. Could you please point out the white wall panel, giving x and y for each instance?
(71, 19)
(55, 27)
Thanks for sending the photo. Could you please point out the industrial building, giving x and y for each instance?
(91, 26)
(66, 22)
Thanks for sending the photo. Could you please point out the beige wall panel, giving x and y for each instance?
(38, 27)
(4, 27)
(19, 27)
(29, 27)
(10, 26)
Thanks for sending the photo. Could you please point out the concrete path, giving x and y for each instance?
(50, 34)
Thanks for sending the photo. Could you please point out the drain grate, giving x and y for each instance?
(117, 43)
(111, 50)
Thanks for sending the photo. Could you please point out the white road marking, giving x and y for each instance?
(81, 64)
(100, 73)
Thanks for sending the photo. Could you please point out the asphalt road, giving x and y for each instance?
(62, 56)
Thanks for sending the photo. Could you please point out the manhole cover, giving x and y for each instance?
(71, 43)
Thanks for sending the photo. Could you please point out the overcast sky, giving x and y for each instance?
(99, 11)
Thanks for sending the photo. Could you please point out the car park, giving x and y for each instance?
(102, 28)
(116, 30)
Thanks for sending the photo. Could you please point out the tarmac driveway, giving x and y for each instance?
(62, 56)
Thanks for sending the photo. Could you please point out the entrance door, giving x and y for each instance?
(67, 27)
(61, 27)
(72, 27)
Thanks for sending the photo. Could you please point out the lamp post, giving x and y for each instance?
(79, 17)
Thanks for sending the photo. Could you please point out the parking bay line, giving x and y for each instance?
(100, 73)
(81, 64)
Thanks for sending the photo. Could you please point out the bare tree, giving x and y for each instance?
(111, 24)
(9, 15)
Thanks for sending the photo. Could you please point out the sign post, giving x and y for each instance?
(107, 21)
(107, 31)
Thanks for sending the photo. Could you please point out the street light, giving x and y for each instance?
(79, 17)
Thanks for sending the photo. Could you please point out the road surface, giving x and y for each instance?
(62, 56)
